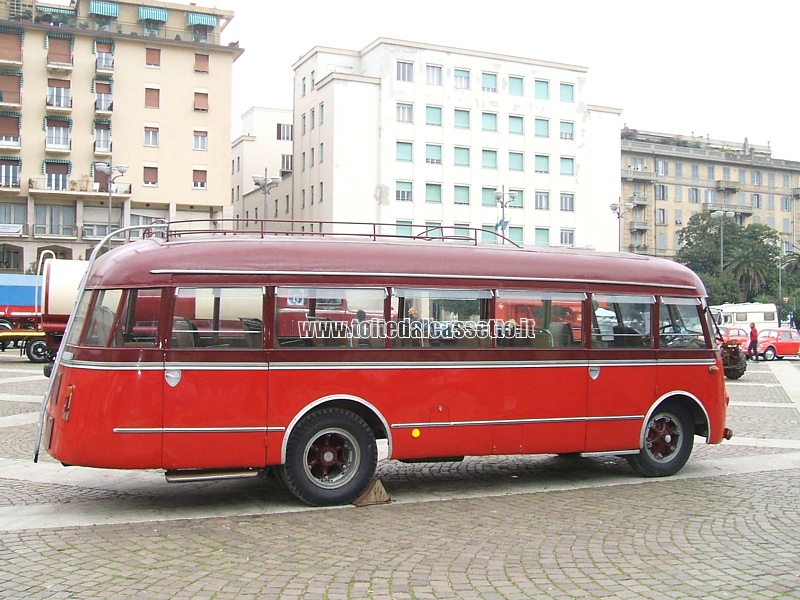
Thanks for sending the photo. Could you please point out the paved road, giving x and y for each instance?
(503, 527)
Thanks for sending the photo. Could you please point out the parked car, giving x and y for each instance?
(777, 343)
(736, 334)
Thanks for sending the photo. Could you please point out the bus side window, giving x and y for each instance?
(622, 321)
(681, 324)
(101, 321)
(218, 318)
(137, 326)
(538, 319)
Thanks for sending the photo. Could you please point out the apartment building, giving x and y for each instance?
(667, 178)
(264, 149)
(142, 88)
(411, 135)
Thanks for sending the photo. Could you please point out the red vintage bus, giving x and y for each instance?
(226, 355)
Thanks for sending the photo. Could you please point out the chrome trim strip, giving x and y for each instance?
(430, 425)
(198, 429)
(96, 365)
(435, 276)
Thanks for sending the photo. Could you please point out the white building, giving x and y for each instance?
(264, 149)
(404, 133)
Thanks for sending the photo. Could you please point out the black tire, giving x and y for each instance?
(36, 351)
(769, 353)
(669, 437)
(330, 458)
(734, 373)
(4, 343)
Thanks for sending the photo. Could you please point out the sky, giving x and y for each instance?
(715, 68)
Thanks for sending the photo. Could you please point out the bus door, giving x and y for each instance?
(622, 371)
(215, 379)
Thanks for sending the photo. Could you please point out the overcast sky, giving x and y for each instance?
(708, 67)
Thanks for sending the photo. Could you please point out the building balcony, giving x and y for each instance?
(61, 185)
(638, 249)
(104, 64)
(60, 64)
(639, 225)
(795, 192)
(727, 185)
(57, 145)
(11, 58)
(102, 148)
(13, 230)
(59, 103)
(10, 142)
(69, 232)
(104, 105)
(9, 185)
(11, 100)
(639, 200)
(639, 175)
(737, 208)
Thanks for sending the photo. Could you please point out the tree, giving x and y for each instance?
(749, 270)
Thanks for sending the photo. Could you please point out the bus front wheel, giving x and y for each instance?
(668, 441)
(331, 458)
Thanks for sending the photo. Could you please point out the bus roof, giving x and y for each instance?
(151, 262)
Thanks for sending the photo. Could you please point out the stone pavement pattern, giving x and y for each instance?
(726, 536)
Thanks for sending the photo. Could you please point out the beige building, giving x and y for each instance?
(144, 85)
(667, 178)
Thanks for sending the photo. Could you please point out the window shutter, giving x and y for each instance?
(151, 174)
(153, 57)
(59, 50)
(201, 101)
(201, 63)
(9, 126)
(152, 97)
(11, 46)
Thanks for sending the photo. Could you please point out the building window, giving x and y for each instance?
(152, 97)
(403, 191)
(433, 193)
(541, 128)
(567, 130)
(661, 216)
(402, 228)
(489, 121)
(567, 166)
(461, 118)
(433, 115)
(59, 94)
(541, 89)
(516, 235)
(303, 87)
(461, 194)
(312, 117)
(102, 137)
(487, 197)
(786, 203)
(516, 161)
(756, 201)
(313, 79)
(518, 201)
(57, 134)
(321, 113)
(695, 171)
(568, 202)
(405, 112)
(151, 136)
(303, 124)
(541, 201)
(516, 124)
(461, 79)
(567, 92)
(678, 192)
(201, 101)
(199, 177)
(678, 216)
(321, 191)
(515, 86)
(321, 152)
(312, 156)
(9, 178)
(433, 74)
(200, 140)
(404, 151)
(489, 82)
(678, 170)
(661, 192)
(302, 161)
(201, 63)
(286, 163)
(52, 219)
(489, 159)
(756, 178)
(542, 163)
(103, 99)
(542, 236)
(662, 167)
(405, 71)
(284, 132)
(711, 173)
(694, 195)
(461, 156)
(567, 237)
(150, 176)
(433, 154)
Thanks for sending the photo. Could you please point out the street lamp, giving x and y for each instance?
(500, 198)
(619, 210)
(108, 169)
(722, 214)
(265, 184)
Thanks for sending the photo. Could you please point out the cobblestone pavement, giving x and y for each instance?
(728, 526)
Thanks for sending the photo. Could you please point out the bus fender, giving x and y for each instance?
(688, 400)
(360, 406)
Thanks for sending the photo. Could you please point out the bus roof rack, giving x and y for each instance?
(316, 228)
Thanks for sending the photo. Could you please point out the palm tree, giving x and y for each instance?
(791, 262)
(749, 270)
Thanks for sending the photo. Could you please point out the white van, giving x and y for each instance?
(741, 315)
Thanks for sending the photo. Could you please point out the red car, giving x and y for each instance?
(737, 334)
(777, 343)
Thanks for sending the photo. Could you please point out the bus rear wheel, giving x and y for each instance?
(668, 441)
(331, 458)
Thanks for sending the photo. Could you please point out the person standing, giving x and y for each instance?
(752, 354)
